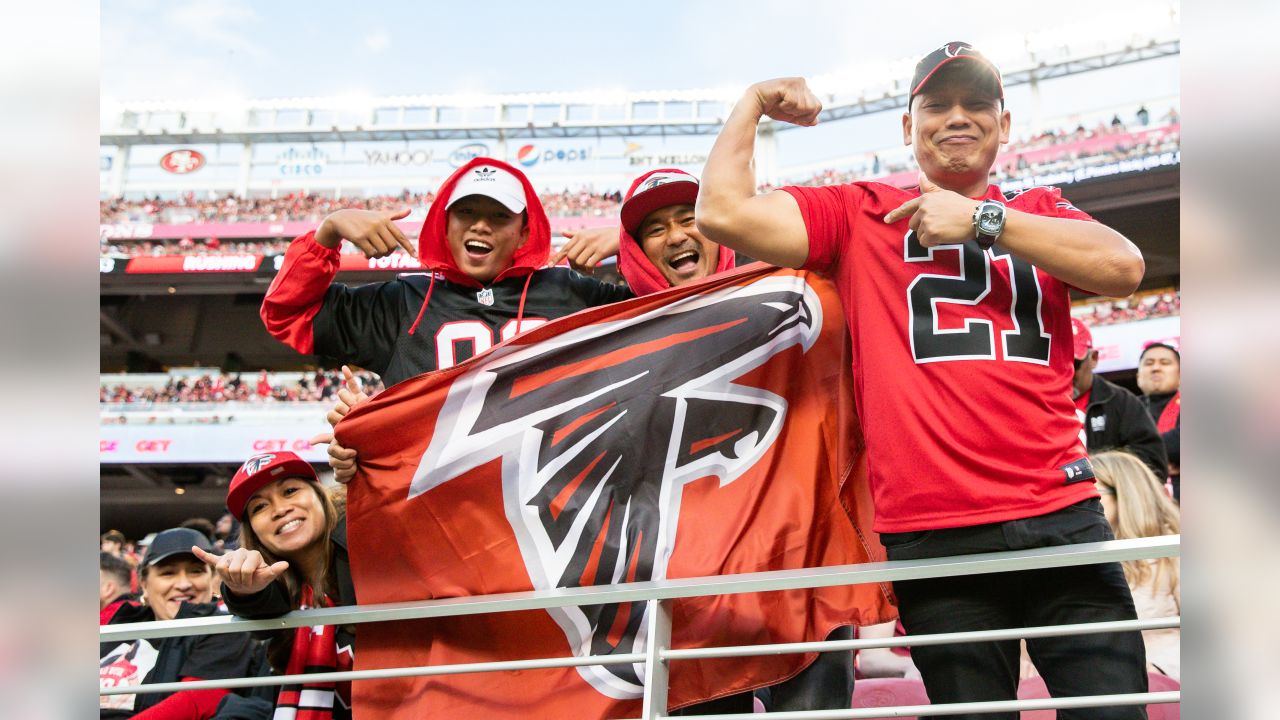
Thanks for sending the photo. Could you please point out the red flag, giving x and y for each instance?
(687, 433)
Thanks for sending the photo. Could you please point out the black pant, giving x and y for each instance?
(1097, 664)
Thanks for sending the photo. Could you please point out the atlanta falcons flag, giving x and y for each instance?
(687, 433)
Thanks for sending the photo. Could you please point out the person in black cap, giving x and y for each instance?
(957, 300)
(175, 585)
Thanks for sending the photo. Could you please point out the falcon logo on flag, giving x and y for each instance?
(596, 447)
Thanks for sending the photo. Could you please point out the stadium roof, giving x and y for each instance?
(568, 114)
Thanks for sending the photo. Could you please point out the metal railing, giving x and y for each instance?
(659, 594)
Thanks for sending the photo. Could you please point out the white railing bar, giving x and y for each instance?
(1038, 558)
(380, 674)
(921, 640)
(1084, 701)
(656, 670)
(664, 653)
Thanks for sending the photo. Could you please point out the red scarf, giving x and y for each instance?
(315, 650)
(1169, 416)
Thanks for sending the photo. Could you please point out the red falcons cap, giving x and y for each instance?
(262, 470)
(952, 51)
(1081, 338)
(657, 189)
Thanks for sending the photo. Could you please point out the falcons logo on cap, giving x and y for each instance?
(598, 439)
(257, 462)
(953, 49)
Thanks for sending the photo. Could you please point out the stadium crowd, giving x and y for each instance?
(1142, 306)
(303, 207)
(1011, 165)
(321, 385)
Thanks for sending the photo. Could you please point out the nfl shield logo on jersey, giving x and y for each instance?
(485, 296)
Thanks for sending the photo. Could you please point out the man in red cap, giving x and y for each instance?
(484, 244)
(957, 301)
(1114, 418)
(660, 246)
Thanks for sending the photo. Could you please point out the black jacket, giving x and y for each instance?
(205, 657)
(1117, 420)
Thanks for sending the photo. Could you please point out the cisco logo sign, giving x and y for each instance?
(467, 153)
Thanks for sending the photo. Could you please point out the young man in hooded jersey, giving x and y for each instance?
(484, 244)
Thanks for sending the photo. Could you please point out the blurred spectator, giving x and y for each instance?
(204, 526)
(1159, 378)
(1113, 417)
(114, 577)
(113, 543)
(227, 533)
(1137, 506)
(1144, 117)
(175, 586)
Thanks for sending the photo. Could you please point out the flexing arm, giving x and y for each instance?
(767, 227)
(1086, 255)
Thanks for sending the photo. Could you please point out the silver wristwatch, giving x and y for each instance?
(988, 222)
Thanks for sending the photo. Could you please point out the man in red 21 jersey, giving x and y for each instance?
(957, 303)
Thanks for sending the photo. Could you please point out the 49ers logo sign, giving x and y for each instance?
(576, 420)
(181, 162)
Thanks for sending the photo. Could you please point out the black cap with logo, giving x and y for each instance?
(951, 52)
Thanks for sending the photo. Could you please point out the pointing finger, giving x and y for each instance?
(907, 208)
(351, 380)
(322, 439)
(204, 556)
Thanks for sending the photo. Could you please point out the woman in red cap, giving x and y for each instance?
(292, 555)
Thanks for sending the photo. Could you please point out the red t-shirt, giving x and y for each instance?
(962, 375)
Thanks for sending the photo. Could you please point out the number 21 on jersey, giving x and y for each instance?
(1026, 342)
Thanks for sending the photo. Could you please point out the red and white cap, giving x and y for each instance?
(660, 189)
(1081, 338)
(262, 470)
(492, 182)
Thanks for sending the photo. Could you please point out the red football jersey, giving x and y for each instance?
(962, 363)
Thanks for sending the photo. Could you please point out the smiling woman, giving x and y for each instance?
(175, 585)
(292, 555)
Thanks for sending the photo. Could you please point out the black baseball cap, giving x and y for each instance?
(176, 541)
(949, 53)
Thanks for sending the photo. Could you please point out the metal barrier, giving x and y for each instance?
(659, 594)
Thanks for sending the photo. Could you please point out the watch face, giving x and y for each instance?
(990, 221)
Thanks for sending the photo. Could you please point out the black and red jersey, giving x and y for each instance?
(420, 323)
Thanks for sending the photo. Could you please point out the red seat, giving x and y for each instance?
(1033, 688)
(889, 692)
